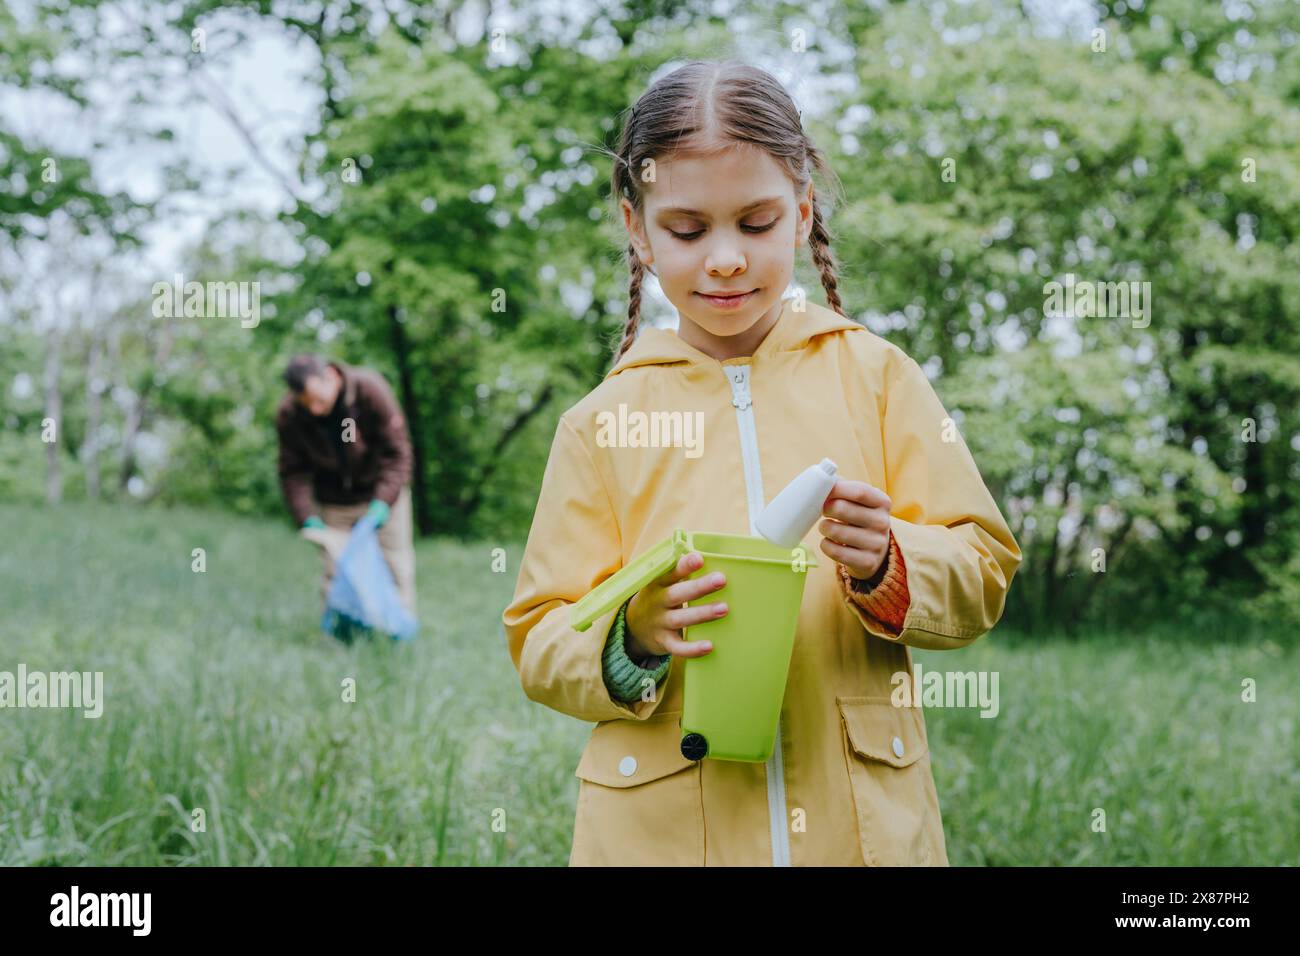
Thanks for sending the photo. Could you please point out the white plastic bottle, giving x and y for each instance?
(796, 509)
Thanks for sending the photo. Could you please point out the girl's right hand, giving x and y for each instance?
(655, 616)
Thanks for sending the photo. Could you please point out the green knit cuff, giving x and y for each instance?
(624, 678)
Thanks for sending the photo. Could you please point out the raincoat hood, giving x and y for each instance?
(793, 330)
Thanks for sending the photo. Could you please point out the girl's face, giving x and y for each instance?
(728, 223)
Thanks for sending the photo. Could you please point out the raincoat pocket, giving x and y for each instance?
(893, 789)
(639, 799)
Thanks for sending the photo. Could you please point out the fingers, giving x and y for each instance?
(838, 552)
(671, 616)
(850, 512)
(679, 617)
(684, 591)
(691, 561)
(864, 539)
(678, 594)
(680, 648)
(850, 557)
(678, 587)
(859, 492)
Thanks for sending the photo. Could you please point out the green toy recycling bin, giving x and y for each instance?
(733, 694)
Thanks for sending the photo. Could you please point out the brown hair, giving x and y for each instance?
(741, 104)
(302, 367)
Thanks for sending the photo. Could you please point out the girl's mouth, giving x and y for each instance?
(727, 301)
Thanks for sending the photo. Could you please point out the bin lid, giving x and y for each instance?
(621, 585)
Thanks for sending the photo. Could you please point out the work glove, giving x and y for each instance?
(379, 511)
(332, 540)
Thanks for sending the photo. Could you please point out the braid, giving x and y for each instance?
(819, 242)
(633, 301)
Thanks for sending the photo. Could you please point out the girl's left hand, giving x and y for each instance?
(857, 536)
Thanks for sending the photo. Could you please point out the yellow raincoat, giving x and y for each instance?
(850, 781)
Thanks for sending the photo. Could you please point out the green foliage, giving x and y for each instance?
(474, 260)
(1076, 450)
(1110, 167)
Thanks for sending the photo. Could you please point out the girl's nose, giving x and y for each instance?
(725, 260)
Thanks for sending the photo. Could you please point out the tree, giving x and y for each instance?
(983, 171)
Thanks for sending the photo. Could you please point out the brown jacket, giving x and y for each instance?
(378, 459)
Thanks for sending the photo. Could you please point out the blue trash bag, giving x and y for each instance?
(363, 597)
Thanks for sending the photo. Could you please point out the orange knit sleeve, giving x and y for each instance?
(884, 596)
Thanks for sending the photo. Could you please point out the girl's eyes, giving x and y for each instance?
(688, 236)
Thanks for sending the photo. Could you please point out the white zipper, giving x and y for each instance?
(744, 403)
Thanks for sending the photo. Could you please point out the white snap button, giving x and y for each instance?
(898, 747)
(627, 766)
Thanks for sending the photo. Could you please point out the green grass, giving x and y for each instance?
(221, 694)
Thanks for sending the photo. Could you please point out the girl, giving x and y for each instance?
(714, 179)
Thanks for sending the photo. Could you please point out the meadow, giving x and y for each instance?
(222, 694)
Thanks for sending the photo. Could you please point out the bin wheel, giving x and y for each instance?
(695, 747)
